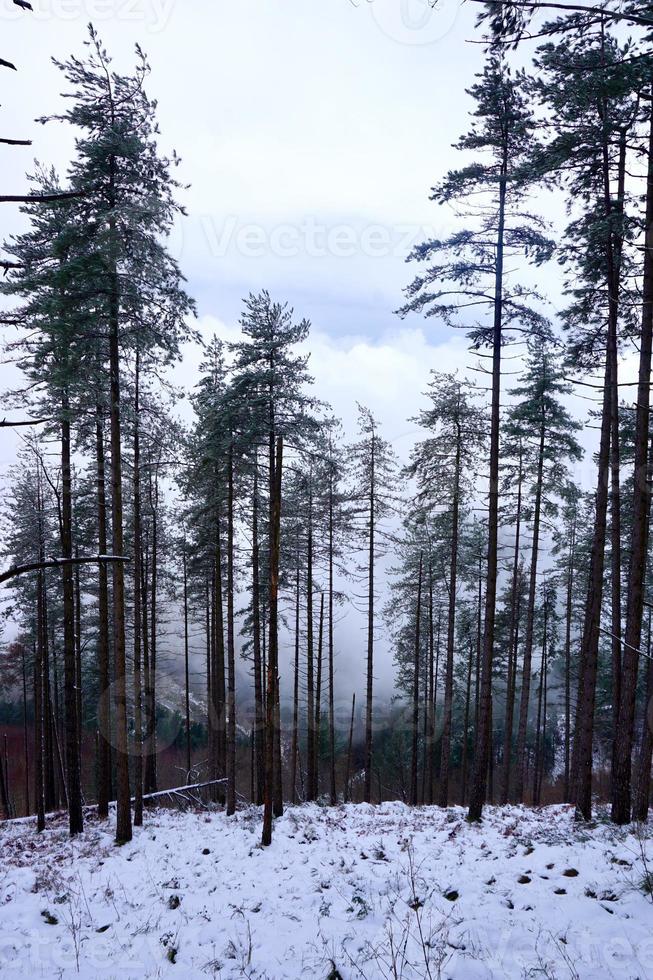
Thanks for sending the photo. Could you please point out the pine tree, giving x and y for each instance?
(134, 289)
(373, 466)
(470, 274)
(545, 429)
(443, 465)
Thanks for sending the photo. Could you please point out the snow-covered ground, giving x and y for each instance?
(350, 892)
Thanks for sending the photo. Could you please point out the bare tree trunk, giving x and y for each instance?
(540, 695)
(468, 696)
(318, 695)
(451, 625)
(186, 668)
(272, 680)
(26, 767)
(231, 648)
(512, 649)
(123, 796)
(219, 691)
(621, 781)
(310, 688)
(295, 716)
(349, 745)
(258, 667)
(104, 701)
(581, 763)
(642, 799)
(151, 780)
(333, 795)
(138, 612)
(416, 673)
(73, 765)
(524, 704)
(568, 624)
(432, 696)
(78, 658)
(370, 629)
(482, 741)
(39, 726)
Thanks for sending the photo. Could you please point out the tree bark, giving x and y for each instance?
(621, 780)
(482, 741)
(524, 703)
(73, 765)
(272, 679)
(367, 795)
(512, 649)
(416, 674)
(451, 624)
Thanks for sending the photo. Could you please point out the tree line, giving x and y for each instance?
(515, 599)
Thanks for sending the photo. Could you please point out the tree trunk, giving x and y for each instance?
(258, 668)
(537, 761)
(416, 673)
(295, 716)
(524, 702)
(642, 799)
(73, 765)
(468, 692)
(432, 695)
(512, 650)
(138, 612)
(310, 689)
(621, 780)
(451, 626)
(186, 669)
(333, 796)
(26, 767)
(367, 795)
(581, 763)
(231, 648)
(272, 678)
(104, 702)
(482, 741)
(123, 796)
(345, 794)
(318, 696)
(568, 624)
(151, 780)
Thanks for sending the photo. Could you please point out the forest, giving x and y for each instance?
(515, 598)
(184, 592)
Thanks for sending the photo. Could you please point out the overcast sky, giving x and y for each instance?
(311, 132)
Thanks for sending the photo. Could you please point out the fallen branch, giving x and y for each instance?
(180, 790)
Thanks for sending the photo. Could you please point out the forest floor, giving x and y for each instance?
(352, 892)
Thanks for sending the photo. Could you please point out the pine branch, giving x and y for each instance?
(599, 11)
(37, 566)
(4, 424)
(41, 198)
(9, 142)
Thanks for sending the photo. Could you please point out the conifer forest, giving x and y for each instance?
(320, 657)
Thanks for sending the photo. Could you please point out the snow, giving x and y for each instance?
(341, 892)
